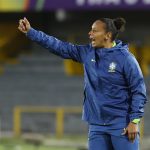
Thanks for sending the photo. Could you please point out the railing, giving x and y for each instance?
(59, 111)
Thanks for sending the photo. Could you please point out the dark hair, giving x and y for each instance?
(115, 26)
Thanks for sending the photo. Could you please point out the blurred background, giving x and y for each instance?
(41, 95)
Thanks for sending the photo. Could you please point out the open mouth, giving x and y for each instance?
(93, 41)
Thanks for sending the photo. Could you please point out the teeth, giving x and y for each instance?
(93, 41)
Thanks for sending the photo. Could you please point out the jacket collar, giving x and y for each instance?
(119, 46)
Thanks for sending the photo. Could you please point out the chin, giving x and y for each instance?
(93, 45)
(97, 46)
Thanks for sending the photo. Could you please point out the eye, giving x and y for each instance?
(94, 30)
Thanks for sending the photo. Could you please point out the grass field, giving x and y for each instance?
(20, 144)
(30, 147)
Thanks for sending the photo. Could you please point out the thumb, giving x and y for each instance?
(26, 21)
(124, 131)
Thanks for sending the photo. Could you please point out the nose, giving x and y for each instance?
(89, 33)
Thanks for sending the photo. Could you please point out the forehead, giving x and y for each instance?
(98, 25)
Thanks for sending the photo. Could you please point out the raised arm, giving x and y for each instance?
(56, 46)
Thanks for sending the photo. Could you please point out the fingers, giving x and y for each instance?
(132, 136)
(24, 25)
(26, 21)
(20, 29)
(132, 131)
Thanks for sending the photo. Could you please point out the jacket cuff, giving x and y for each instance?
(135, 116)
(136, 121)
(31, 32)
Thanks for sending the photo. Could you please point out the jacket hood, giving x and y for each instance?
(121, 45)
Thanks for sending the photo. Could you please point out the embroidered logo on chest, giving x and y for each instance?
(112, 67)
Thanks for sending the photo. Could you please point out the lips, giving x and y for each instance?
(92, 39)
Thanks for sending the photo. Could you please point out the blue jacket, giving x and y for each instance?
(114, 86)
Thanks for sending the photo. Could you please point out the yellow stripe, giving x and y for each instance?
(114, 44)
(136, 121)
(11, 5)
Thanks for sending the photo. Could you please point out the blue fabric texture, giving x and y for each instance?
(104, 141)
(114, 91)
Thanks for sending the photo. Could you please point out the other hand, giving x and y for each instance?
(131, 131)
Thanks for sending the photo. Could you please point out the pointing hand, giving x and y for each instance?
(24, 25)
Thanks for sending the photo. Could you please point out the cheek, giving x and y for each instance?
(100, 37)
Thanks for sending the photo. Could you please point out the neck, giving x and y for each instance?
(108, 44)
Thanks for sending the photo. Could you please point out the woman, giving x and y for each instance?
(115, 92)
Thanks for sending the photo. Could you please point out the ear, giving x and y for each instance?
(108, 35)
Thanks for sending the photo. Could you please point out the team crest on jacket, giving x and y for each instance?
(112, 67)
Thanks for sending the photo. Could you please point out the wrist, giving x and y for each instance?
(135, 121)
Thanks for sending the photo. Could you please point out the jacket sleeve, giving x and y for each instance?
(136, 85)
(64, 49)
